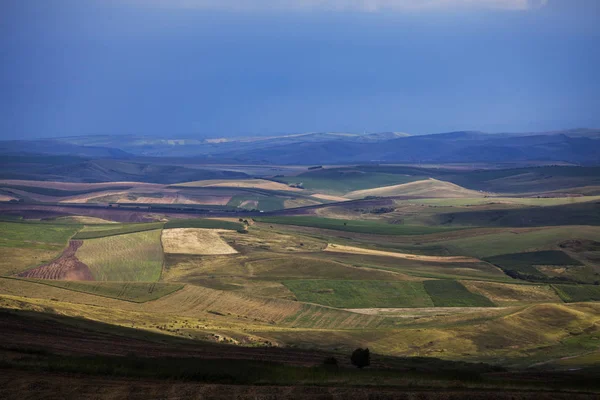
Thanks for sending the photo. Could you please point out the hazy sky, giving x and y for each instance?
(233, 67)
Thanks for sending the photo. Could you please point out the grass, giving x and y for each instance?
(449, 293)
(135, 257)
(203, 223)
(357, 226)
(99, 231)
(523, 265)
(136, 292)
(577, 293)
(515, 241)
(29, 234)
(360, 294)
(19, 259)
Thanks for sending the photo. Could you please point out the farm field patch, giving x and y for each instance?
(137, 292)
(449, 293)
(99, 231)
(195, 241)
(372, 227)
(135, 257)
(66, 267)
(203, 223)
(520, 240)
(508, 294)
(25, 234)
(527, 264)
(360, 294)
(577, 293)
(337, 248)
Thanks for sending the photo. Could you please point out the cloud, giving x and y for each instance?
(350, 5)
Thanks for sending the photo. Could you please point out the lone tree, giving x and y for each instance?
(361, 358)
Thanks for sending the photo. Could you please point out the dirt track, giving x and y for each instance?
(65, 268)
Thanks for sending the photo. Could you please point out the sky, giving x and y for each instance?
(222, 68)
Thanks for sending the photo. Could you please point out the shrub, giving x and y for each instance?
(361, 358)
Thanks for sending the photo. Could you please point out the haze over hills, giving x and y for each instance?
(578, 146)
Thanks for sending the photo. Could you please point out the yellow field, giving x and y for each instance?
(425, 188)
(195, 241)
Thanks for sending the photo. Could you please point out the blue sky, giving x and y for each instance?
(210, 68)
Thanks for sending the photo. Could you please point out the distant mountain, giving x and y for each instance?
(579, 146)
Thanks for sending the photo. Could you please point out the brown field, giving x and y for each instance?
(501, 293)
(195, 241)
(66, 268)
(246, 183)
(337, 248)
(425, 188)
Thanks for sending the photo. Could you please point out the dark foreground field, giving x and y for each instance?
(49, 356)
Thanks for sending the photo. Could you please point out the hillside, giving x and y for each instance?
(429, 188)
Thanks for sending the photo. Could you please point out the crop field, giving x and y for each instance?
(511, 294)
(195, 241)
(448, 293)
(25, 234)
(99, 231)
(513, 240)
(526, 263)
(373, 227)
(135, 257)
(203, 223)
(137, 292)
(360, 294)
(577, 293)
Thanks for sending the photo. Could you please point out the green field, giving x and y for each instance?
(448, 293)
(135, 257)
(576, 293)
(203, 223)
(360, 294)
(344, 180)
(514, 241)
(99, 231)
(31, 234)
(373, 227)
(524, 263)
(137, 292)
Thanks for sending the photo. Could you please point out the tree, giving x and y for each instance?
(361, 358)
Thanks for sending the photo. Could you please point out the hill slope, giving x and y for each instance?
(425, 188)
